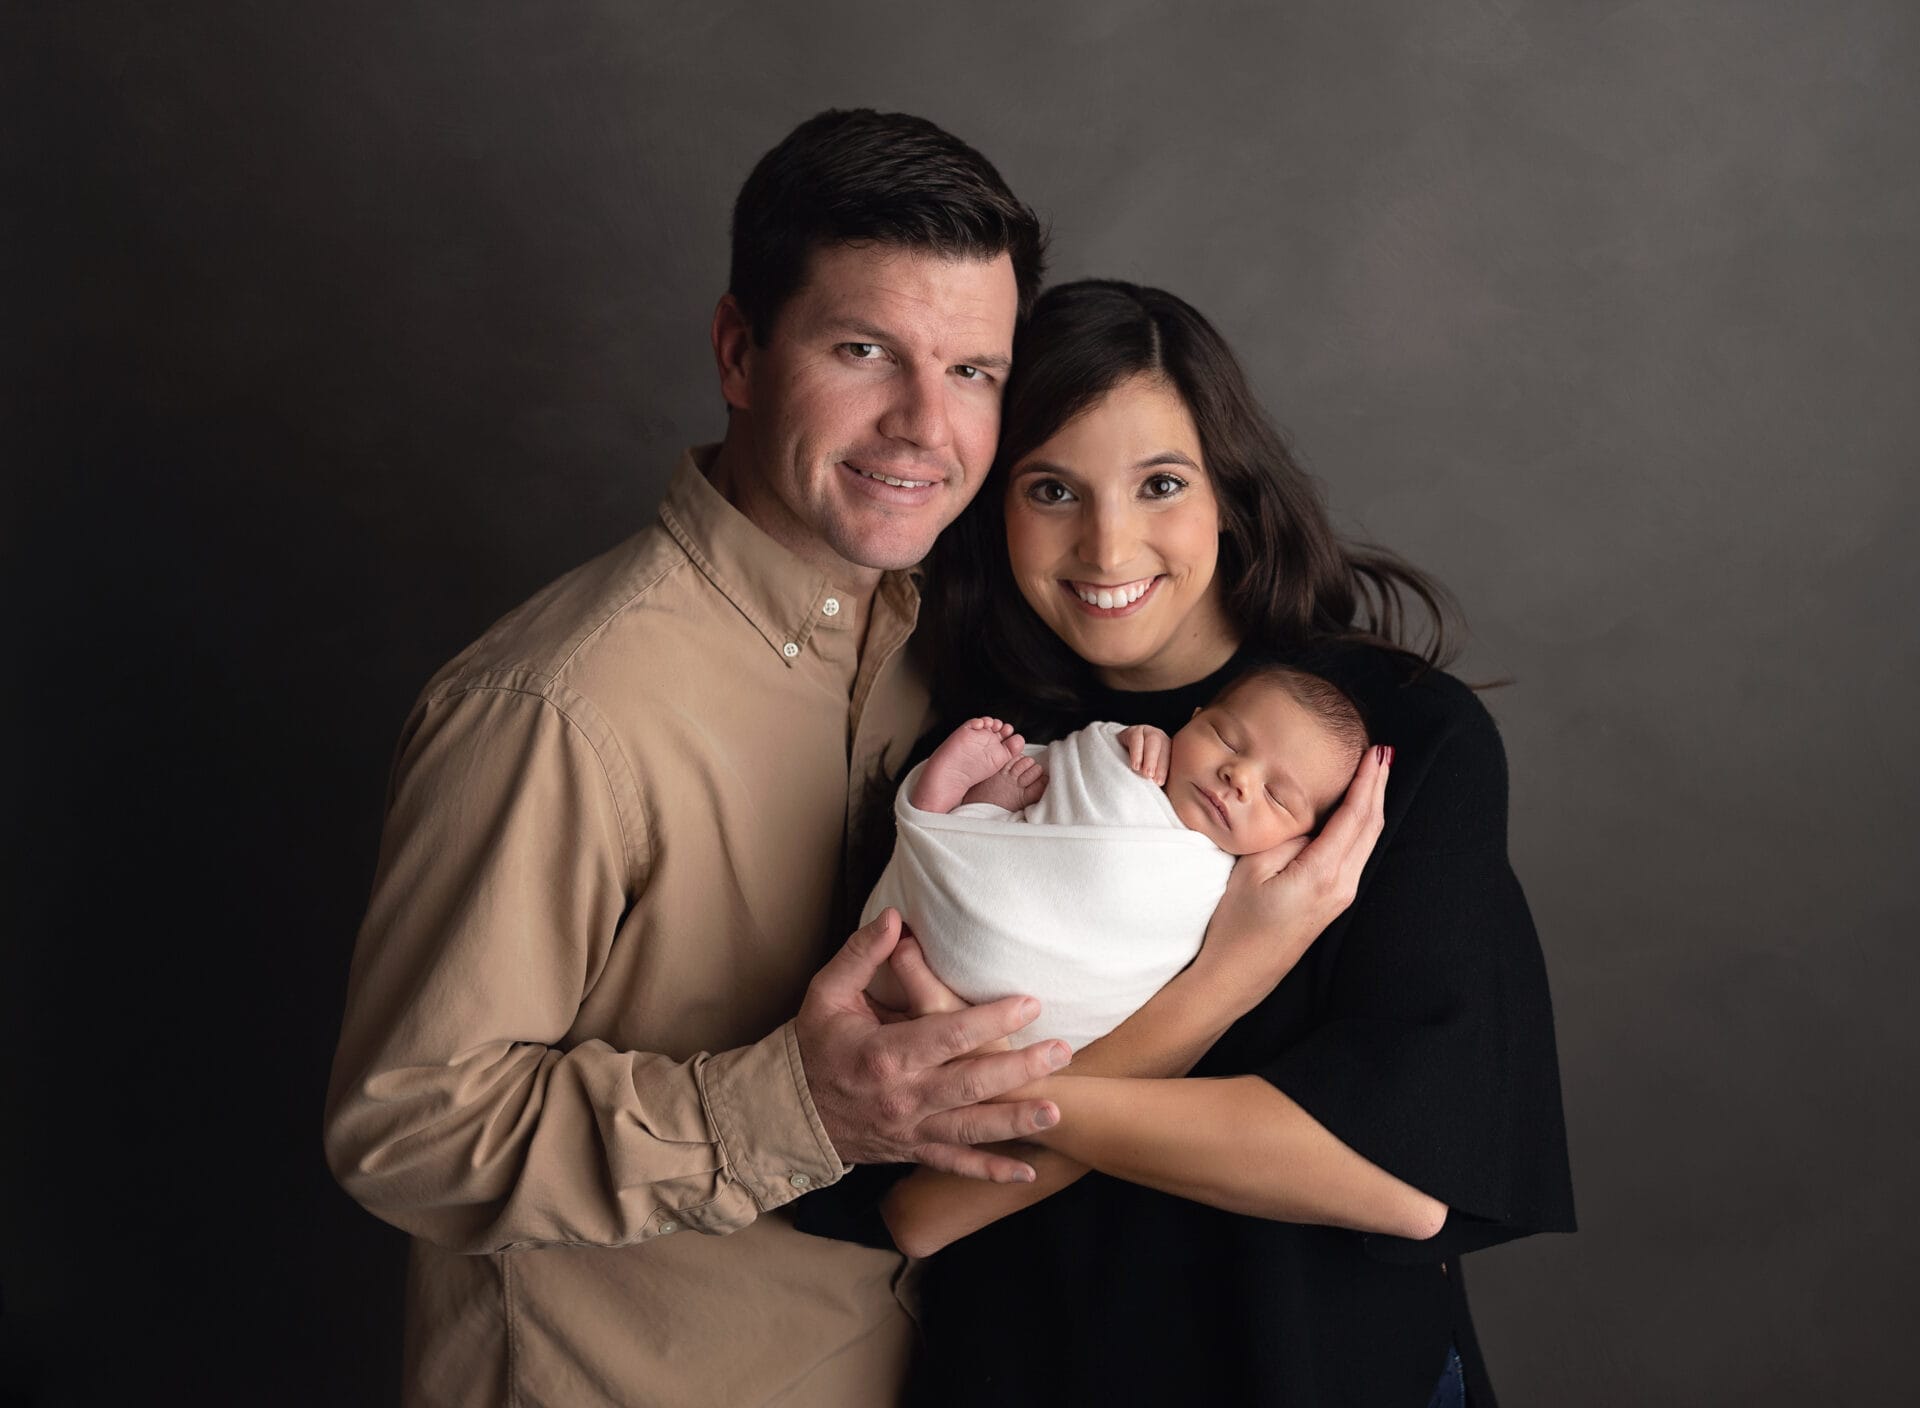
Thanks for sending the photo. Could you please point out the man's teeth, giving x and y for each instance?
(1107, 598)
(889, 479)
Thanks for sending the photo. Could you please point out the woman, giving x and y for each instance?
(1288, 1232)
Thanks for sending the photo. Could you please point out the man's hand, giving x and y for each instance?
(910, 1092)
(1278, 901)
(1149, 751)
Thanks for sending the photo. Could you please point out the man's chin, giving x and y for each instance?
(886, 551)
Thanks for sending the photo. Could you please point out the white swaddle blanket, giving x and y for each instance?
(1090, 900)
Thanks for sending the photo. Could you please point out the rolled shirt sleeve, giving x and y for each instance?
(460, 1110)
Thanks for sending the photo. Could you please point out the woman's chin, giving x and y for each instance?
(1108, 658)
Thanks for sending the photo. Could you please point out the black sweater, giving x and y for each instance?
(1418, 1029)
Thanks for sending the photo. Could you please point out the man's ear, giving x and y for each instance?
(733, 351)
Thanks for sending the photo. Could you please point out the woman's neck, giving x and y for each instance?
(1182, 663)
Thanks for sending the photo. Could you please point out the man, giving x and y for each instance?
(583, 1025)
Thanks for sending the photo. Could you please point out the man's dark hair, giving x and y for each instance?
(862, 176)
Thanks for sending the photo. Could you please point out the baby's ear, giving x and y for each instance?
(1196, 712)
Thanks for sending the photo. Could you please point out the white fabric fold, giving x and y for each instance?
(1089, 901)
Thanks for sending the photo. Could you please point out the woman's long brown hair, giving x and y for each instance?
(1288, 579)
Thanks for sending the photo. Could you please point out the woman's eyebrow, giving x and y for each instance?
(1025, 467)
(1167, 457)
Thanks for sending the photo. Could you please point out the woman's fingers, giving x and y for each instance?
(925, 992)
(1347, 839)
(1261, 866)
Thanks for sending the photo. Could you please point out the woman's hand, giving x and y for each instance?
(923, 991)
(1278, 901)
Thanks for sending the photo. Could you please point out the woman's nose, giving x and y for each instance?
(1107, 539)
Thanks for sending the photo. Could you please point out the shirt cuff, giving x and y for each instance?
(771, 1138)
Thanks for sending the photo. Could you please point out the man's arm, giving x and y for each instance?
(512, 849)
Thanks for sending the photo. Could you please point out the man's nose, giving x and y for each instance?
(918, 412)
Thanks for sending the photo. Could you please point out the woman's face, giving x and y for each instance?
(1114, 532)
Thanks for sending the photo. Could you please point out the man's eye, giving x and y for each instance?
(1164, 486)
(971, 373)
(863, 351)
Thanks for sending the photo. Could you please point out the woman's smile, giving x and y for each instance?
(1111, 603)
(1113, 533)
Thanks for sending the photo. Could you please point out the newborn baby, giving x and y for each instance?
(1084, 872)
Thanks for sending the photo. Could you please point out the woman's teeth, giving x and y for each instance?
(1107, 598)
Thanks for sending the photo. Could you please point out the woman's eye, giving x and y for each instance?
(1164, 486)
(1049, 491)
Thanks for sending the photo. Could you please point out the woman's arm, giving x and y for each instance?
(1276, 905)
(927, 1210)
(1238, 1144)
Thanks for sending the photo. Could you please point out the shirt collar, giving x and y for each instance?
(784, 598)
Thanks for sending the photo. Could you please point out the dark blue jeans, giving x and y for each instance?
(1451, 1391)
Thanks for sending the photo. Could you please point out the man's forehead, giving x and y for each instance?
(920, 291)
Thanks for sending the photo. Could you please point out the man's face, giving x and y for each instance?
(872, 411)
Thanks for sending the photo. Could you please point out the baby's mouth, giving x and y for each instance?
(1218, 806)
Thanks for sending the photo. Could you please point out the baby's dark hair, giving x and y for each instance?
(1321, 697)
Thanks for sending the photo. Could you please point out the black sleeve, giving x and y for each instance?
(1433, 1053)
(849, 1211)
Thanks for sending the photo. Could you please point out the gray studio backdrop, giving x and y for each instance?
(1604, 313)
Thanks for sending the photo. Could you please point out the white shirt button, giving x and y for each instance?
(789, 650)
(669, 1227)
(831, 606)
(800, 1181)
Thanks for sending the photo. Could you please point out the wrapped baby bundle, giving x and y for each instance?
(1089, 901)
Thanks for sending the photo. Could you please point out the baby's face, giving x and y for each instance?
(1254, 769)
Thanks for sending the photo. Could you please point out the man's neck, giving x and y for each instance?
(739, 481)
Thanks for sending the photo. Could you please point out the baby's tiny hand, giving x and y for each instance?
(1149, 751)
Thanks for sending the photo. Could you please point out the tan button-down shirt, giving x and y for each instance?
(611, 863)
